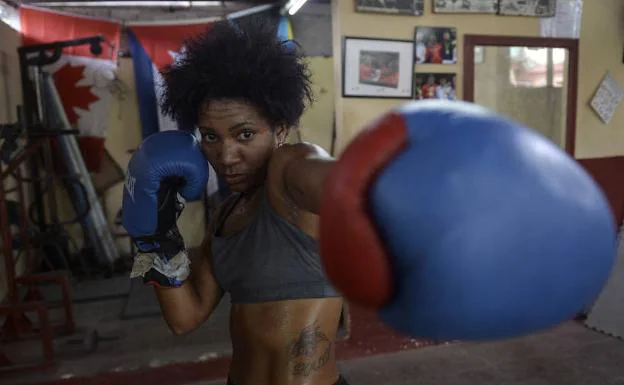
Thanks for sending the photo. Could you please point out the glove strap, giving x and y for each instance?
(159, 270)
(167, 245)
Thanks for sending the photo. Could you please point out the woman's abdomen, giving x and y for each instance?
(285, 342)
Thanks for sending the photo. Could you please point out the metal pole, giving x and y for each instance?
(7, 247)
(96, 224)
(29, 120)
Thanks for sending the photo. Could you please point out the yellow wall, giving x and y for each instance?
(10, 89)
(601, 49)
(317, 121)
(10, 97)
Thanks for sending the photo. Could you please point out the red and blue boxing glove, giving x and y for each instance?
(451, 221)
(458, 224)
(167, 169)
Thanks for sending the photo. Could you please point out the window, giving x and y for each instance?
(537, 67)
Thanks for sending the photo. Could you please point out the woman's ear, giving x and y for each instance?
(281, 134)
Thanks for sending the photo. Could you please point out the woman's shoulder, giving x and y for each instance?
(286, 159)
(290, 153)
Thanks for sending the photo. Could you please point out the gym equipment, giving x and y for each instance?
(18, 323)
(43, 111)
(83, 194)
(458, 224)
(36, 125)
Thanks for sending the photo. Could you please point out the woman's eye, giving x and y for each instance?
(246, 135)
(208, 137)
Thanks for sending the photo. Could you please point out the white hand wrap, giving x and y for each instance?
(178, 267)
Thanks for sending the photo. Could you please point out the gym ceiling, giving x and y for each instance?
(133, 10)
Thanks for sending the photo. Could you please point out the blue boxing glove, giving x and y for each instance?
(167, 169)
(456, 223)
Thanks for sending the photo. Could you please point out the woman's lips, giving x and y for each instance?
(234, 178)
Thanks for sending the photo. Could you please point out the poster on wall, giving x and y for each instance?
(465, 6)
(434, 86)
(377, 68)
(607, 98)
(534, 8)
(435, 45)
(403, 7)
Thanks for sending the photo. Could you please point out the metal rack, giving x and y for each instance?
(18, 324)
(36, 155)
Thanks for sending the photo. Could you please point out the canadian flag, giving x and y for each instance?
(83, 81)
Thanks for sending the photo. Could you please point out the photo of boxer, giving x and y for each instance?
(539, 8)
(434, 86)
(378, 68)
(465, 6)
(435, 45)
(406, 7)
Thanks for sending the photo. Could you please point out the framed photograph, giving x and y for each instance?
(399, 7)
(465, 6)
(434, 86)
(377, 68)
(435, 45)
(534, 8)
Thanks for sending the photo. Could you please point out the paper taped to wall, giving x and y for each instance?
(607, 98)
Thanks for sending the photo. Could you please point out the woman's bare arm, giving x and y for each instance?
(186, 307)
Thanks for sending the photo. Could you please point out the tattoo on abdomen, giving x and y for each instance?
(309, 351)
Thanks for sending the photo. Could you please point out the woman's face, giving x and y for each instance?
(238, 142)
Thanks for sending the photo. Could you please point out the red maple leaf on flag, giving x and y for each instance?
(72, 95)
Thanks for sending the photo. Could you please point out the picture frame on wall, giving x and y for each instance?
(428, 85)
(377, 68)
(531, 8)
(435, 45)
(465, 6)
(398, 7)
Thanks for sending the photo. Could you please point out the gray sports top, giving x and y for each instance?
(270, 260)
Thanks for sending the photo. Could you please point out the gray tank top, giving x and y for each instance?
(270, 260)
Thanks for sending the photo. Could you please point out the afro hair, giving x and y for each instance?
(242, 61)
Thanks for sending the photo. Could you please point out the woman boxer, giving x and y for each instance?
(243, 89)
(471, 272)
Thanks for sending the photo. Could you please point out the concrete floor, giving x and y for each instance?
(143, 351)
(570, 355)
(128, 345)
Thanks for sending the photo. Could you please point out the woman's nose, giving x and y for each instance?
(229, 153)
